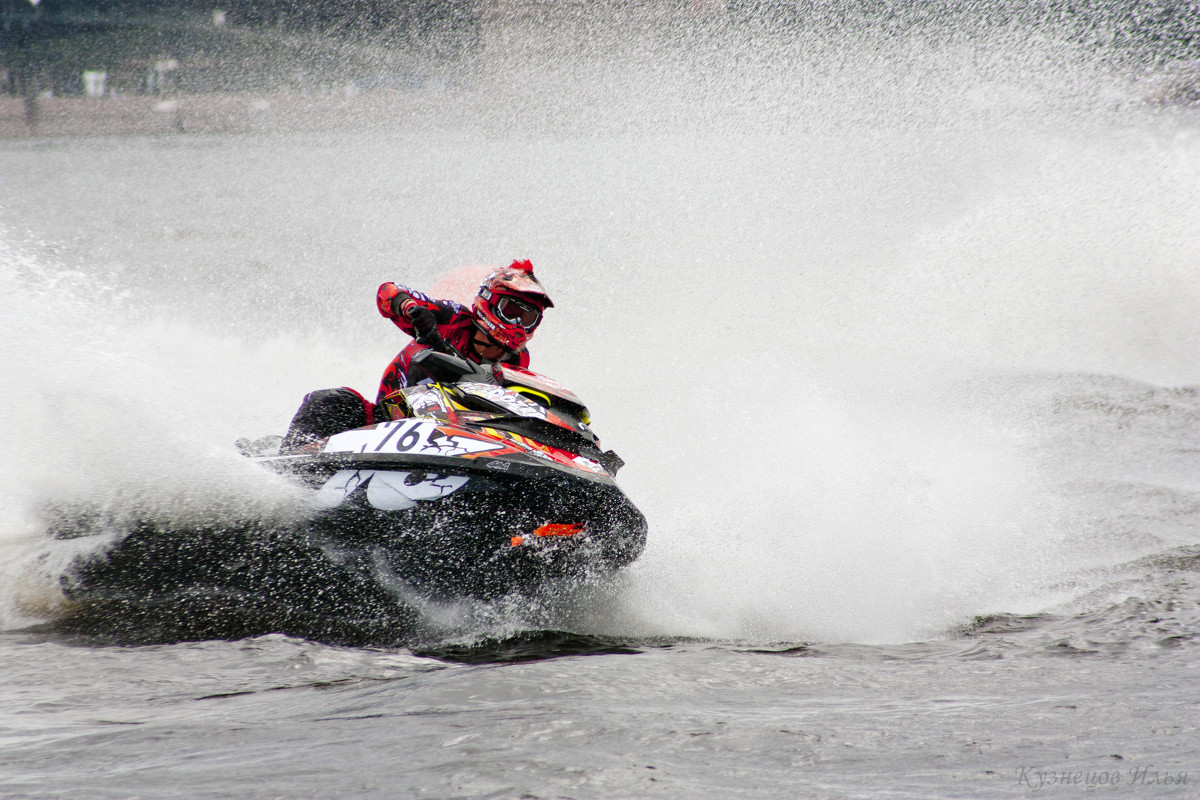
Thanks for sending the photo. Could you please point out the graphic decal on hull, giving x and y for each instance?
(387, 490)
(534, 448)
(513, 402)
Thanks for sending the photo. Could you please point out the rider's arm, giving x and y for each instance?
(397, 302)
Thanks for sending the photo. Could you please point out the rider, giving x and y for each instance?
(500, 321)
(497, 326)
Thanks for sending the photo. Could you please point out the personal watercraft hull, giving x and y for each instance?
(355, 571)
(471, 490)
(483, 530)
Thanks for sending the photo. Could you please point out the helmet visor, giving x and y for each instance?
(518, 312)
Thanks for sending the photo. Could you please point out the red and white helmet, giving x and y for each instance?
(510, 303)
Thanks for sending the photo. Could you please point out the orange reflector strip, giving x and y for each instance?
(558, 529)
(516, 541)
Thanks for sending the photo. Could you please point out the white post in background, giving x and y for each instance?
(93, 82)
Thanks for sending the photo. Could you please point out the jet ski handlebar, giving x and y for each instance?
(448, 366)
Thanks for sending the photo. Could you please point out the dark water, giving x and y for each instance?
(1004, 710)
(900, 345)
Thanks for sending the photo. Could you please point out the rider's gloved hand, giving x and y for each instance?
(422, 321)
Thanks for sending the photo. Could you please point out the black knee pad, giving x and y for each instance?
(324, 413)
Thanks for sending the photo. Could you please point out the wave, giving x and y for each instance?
(886, 334)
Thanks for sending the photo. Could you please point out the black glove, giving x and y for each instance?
(423, 322)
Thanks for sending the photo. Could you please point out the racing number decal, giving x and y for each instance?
(406, 442)
(406, 436)
(384, 440)
(410, 439)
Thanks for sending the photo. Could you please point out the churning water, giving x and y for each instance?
(899, 336)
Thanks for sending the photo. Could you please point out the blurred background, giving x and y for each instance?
(122, 50)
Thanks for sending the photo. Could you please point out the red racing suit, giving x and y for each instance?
(455, 324)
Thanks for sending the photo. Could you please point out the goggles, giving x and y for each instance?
(518, 312)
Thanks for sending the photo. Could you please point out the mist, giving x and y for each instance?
(799, 279)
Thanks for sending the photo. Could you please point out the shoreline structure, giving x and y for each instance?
(519, 45)
(364, 86)
(227, 113)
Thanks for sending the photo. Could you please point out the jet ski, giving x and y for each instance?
(482, 481)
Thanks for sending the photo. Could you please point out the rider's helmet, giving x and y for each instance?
(510, 303)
